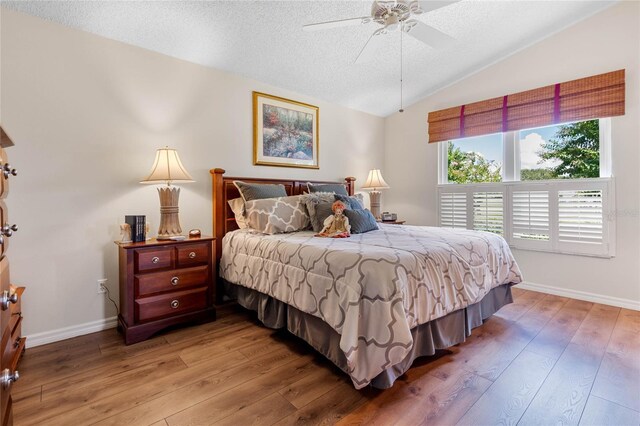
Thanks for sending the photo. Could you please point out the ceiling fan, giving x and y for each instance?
(394, 15)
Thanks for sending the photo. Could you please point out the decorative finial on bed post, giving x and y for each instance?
(350, 184)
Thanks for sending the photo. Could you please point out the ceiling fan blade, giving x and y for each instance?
(368, 51)
(429, 35)
(428, 6)
(335, 24)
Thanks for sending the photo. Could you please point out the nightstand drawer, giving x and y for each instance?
(175, 280)
(150, 260)
(193, 254)
(165, 305)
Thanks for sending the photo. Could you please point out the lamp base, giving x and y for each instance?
(169, 220)
(374, 197)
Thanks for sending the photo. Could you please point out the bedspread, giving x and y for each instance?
(372, 288)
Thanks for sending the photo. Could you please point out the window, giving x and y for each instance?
(475, 160)
(552, 193)
(565, 151)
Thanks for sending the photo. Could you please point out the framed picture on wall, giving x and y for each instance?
(285, 132)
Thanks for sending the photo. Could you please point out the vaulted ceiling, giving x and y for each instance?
(264, 40)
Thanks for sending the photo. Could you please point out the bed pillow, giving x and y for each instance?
(355, 202)
(277, 215)
(312, 201)
(336, 188)
(321, 212)
(256, 191)
(361, 221)
(237, 206)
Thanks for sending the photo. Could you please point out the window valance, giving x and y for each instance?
(598, 96)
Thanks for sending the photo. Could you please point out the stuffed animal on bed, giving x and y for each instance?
(336, 226)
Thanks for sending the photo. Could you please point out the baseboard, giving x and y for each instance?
(582, 295)
(69, 332)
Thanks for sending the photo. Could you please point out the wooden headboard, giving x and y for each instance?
(224, 190)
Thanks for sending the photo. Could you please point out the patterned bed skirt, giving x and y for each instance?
(440, 333)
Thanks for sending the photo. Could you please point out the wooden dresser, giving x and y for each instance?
(12, 344)
(163, 283)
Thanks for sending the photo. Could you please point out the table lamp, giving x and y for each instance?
(167, 168)
(374, 183)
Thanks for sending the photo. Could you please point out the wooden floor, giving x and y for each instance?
(541, 360)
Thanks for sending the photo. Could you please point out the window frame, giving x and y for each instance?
(511, 182)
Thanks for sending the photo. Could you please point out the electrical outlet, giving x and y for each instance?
(102, 286)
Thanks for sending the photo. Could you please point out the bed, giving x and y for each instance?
(371, 303)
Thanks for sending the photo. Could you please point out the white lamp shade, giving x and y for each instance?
(375, 181)
(167, 168)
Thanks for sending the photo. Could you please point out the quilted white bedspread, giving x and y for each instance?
(372, 288)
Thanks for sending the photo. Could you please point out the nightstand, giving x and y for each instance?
(393, 222)
(164, 283)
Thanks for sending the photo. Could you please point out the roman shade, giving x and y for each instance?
(598, 96)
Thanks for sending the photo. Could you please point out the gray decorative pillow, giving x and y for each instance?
(361, 221)
(312, 201)
(321, 212)
(354, 203)
(336, 188)
(256, 191)
(277, 215)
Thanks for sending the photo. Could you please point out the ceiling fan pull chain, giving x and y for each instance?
(401, 31)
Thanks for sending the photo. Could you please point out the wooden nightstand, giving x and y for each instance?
(393, 222)
(163, 283)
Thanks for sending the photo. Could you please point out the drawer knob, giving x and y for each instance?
(174, 281)
(155, 259)
(7, 170)
(17, 342)
(8, 230)
(6, 378)
(175, 304)
(6, 299)
(192, 255)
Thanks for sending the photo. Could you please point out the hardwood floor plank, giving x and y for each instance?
(556, 335)
(182, 397)
(507, 398)
(563, 395)
(599, 412)
(330, 408)
(227, 403)
(315, 384)
(520, 305)
(263, 412)
(159, 423)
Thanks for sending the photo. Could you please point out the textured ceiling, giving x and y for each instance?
(264, 40)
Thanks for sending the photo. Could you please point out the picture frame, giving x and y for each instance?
(285, 132)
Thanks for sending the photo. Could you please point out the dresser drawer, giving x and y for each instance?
(166, 305)
(153, 259)
(175, 280)
(193, 254)
(4, 182)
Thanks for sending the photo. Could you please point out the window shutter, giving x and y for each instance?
(488, 212)
(453, 209)
(580, 218)
(530, 215)
(598, 96)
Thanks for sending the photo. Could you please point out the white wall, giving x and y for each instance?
(605, 42)
(87, 115)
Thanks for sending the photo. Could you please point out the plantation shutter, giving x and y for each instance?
(530, 215)
(453, 210)
(598, 96)
(580, 218)
(488, 212)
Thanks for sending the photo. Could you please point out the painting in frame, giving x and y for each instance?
(285, 132)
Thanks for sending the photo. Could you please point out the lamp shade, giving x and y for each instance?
(375, 181)
(167, 168)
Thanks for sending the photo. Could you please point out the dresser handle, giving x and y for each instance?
(6, 378)
(7, 170)
(192, 255)
(175, 304)
(5, 299)
(17, 342)
(174, 281)
(155, 259)
(8, 230)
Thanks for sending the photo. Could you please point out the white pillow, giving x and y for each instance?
(237, 206)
